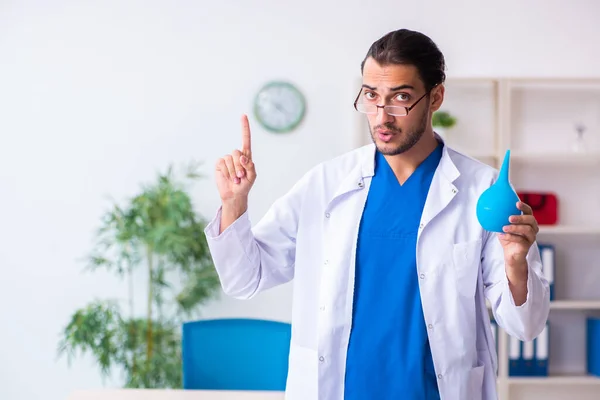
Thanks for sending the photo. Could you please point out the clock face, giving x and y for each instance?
(279, 107)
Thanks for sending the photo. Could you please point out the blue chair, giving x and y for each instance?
(235, 354)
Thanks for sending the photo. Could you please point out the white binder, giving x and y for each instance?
(547, 255)
(542, 350)
(514, 356)
(528, 364)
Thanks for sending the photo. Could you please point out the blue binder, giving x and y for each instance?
(494, 326)
(527, 358)
(542, 351)
(548, 256)
(514, 356)
(593, 346)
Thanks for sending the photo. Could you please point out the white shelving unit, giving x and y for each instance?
(580, 305)
(536, 120)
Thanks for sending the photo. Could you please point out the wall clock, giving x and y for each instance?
(279, 106)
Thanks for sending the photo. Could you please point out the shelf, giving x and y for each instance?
(522, 114)
(575, 305)
(566, 158)
(569, 230)
(554, 380)
(570, 305)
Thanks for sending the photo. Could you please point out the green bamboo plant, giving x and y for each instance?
(159, 230)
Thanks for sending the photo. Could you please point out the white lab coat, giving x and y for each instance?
(310, 234)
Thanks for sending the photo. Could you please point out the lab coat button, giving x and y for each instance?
(430, 326)
(422, 276)
(327, 215)
(322, 308)
(326, 262)
(321, 358)
(439, 376)
(360, 184)
(421, 226)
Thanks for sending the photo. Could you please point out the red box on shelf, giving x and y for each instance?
(543, 204)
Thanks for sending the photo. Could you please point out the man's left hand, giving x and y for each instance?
(519, 236)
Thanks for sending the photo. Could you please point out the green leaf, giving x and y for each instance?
(443, 119)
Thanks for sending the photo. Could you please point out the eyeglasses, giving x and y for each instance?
(397, 111)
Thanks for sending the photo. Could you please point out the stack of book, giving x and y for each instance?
(529, 358)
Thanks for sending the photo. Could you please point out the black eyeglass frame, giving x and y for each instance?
(385, 107)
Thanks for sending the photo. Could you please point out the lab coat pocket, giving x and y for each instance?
(476, 377)
(467, 260)
(476, 382)
(302, 373)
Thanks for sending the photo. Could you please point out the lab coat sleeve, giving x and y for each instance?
(249, 260)
(526, 321)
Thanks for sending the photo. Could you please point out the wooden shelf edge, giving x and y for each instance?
(569, 230)
(575, 305)
(554, 380)
(580, 305)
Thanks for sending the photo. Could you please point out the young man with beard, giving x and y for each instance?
(391, 268)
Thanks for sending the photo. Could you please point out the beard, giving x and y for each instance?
(407, 141)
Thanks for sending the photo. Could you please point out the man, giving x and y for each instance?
(391, 268)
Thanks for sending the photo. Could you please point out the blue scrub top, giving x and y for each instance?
(388, 354)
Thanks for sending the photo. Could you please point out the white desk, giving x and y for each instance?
(138, 394)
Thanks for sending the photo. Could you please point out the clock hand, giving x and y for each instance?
(281, 110)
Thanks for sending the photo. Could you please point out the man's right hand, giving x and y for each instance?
(235, 174)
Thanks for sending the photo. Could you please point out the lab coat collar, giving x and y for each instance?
(365, 169)
(446, 166)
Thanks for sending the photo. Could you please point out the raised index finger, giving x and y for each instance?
(246, 146)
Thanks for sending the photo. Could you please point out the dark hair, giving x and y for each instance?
(408, 47)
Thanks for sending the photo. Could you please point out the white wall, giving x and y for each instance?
(97, 96)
